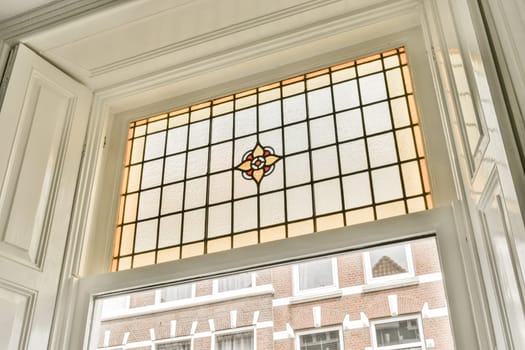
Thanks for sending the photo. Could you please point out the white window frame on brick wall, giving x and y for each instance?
(370, 279)
(175, 340)
(125, 298)
(215, 287)
(234, 331)
(158, 294)
(421, 343)
(316, 290)
(298, 335)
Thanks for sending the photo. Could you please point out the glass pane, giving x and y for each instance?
(320, 341)
(219, 220)
(322, 132)
(149, 204)
(177, 139)
(193, 229)
(327, 197)
(296, 138)
(270, 115)
(195, 193)
(377, 118)
(199, 134)
(387, 184)
(155, 145)
(174, 168)
(197, 163)
(294, 109)
(346, 95)
(382, 150)
(299, 202)
(221, 157)
(349, 125)
(173, 293)
(353, 156)
(389, 261)
(245, 214)
(170, 228)
(297, 169)
(319, 102)
(397, 332)
(152, 173)
(325, 163)
(222, 128)
(172, 198)
(326, 300)
(146, 235)
(246, 121)
(272, 208)
(180, 345)
(240, 281)
(372, 88)
(236, 341)
(220, 187)
(315, 274)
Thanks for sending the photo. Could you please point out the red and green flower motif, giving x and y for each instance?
(258, 163)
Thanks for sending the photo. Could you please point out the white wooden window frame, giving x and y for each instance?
(296, 282)
(439, 222)
(370, 279)
(234, 331)
(421, 343)
(298, 335)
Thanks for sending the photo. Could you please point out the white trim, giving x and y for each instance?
(421, 343)
(298, 335)
(370, 279)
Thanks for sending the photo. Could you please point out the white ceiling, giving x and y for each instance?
(13, 8)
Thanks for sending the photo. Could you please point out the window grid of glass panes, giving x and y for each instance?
(350, 151)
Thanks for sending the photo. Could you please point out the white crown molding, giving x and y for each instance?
(311, 32)
(57, 12)
(213, 35)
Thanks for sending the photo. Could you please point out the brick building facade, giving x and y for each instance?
(386, 298)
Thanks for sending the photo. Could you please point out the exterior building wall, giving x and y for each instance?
(278, 317)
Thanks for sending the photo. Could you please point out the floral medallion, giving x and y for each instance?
(258, 163)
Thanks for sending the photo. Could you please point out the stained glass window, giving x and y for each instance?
(330, 148)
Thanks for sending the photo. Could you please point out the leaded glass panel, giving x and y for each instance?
(322, 150)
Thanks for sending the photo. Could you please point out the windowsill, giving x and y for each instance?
(316, 295)
(383, 285)
(195, 301)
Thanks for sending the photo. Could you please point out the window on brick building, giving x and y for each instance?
(388, 263)
(315, 274)
(173, 293)
(234, 282)
(399, 333)
(115, 304)
(235, 341)
(176, 345)
(320, 340)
